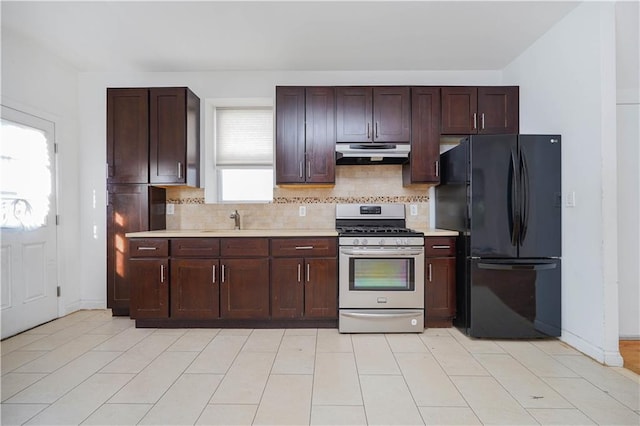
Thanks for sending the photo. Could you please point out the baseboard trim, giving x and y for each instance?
(608, 358)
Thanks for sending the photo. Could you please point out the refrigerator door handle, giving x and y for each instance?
(514, 222)
(517, 266)
(524, 207)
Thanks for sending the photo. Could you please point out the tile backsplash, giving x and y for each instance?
(354, 184)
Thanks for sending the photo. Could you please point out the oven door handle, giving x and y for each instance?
(377, 315)
(385, 252)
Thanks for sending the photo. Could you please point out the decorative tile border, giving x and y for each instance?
(353, 200)
(324, 200)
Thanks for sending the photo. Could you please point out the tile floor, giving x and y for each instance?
(92, 368)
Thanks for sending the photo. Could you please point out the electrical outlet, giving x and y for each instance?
(302, 211)
(414, 209)
(171, 208)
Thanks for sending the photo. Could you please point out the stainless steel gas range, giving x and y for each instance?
(381, 270)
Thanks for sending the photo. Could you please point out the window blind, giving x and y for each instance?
(244, 136)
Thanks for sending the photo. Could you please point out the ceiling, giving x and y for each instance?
(284, 35)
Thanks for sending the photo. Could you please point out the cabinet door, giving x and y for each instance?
(498, 111)
(320, 145)
(127, 135)
(195, 289)
(459, 110)
(244, 288)
(354, 113)
(424, 166)
(130, 202)
(149, 280)
(168, 132)
(290, 135)
(287, 287)
(320, 288)
(391, 114)
(440, 282)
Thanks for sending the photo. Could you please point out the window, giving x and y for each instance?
(25, 176)
(243, 153)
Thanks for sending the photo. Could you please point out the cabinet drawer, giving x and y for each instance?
(296, 247)
(244, 247)
(149, 247)
(195, 247)
(440, 246)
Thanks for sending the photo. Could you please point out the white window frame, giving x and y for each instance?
(212, 184)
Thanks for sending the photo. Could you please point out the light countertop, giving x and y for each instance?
(225, 233)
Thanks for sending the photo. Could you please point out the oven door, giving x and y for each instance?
(381, 277)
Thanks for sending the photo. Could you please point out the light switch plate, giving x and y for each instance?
(413, 208)
(571, 199)
(302, 211)
(171, 209)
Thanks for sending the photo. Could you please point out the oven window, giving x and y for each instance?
(381, 274)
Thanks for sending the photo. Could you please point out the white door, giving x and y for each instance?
(28, 271)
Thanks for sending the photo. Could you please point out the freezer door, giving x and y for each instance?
(515, 299)
(493, 194)
(540, 196)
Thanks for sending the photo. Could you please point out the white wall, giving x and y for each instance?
(38, 83)
(567, 86)
(628, 121)
(92, 133)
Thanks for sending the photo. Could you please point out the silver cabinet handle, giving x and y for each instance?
(308, 169)
(430, 275)
(299, 270)
(213, 274)
(161, 273)
(475, 120)
(301, 176)
(482, 120)
(143, 248)
(304, 247)
(308, 270)
(222, 273)
(376, 129)
(368, 130)
(179, 170)
(441, 247)
(437, 168)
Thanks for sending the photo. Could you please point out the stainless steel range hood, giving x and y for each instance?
(372, 153)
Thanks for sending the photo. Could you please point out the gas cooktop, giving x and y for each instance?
(376, 230)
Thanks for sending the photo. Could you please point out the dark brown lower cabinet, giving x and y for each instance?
(195, 289)
(228, 282)
(304, 288)
(440, 282)
(149, 278)
(440, 298)
(287, 288)
(321, 288)
(244, 288)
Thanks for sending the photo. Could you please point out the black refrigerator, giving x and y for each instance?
(503, 194)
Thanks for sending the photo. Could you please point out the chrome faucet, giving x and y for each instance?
(236, 216)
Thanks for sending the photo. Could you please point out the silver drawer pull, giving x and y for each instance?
(441, 247)
(147, 248)
(304, 247)
(213, 274)
(161, 273)
(299, 268)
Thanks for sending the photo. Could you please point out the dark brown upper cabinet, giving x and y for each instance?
(174, 134)
(127, 136)
(373, 114)
(480, 110)
(153, 136)
(424, 166)
(305, 135)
